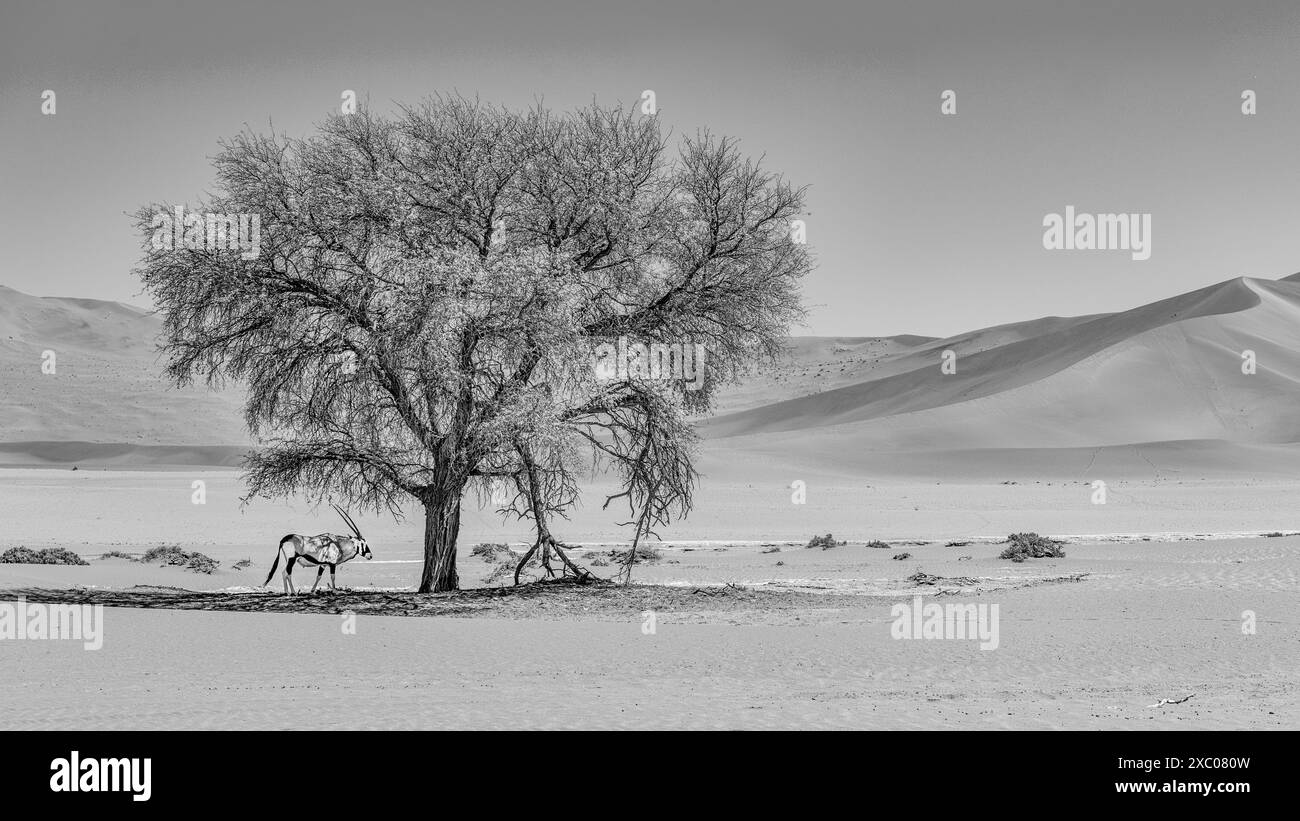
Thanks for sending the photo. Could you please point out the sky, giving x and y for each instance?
(921, 222)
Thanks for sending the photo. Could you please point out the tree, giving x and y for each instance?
(430, 288)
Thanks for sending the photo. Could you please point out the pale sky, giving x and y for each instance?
(922, 223)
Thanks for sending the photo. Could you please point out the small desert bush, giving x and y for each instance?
(57, 555)
(174, 556)
(118, 554)
(50, 555)
(242, 563)
(200, 563)
(21, 555)
(901, 556)
(1021, 546)
(643, 554)
(878, 545)
(772, 549)
(166, 554)
(825, 542)
(491, 552)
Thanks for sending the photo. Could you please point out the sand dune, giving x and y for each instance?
(1166, 371)
(107, 387)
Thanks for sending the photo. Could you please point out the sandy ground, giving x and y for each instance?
(803, 644)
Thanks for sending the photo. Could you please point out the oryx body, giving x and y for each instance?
(324, 550)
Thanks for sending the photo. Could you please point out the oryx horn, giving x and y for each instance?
(356, 531)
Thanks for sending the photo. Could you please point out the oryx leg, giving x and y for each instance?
(284, 573)
(288, 575)
(333, 584)
(320, 571)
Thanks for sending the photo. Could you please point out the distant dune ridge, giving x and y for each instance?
(1171, 370)
(107, 402)
(1168, 371)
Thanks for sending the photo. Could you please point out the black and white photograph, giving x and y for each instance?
(492, 365)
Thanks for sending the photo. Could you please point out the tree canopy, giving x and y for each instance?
(430, 287)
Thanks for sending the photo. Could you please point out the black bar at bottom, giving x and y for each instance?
(376, 770)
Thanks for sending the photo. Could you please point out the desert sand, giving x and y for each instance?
(1086, 641)
(804, 645)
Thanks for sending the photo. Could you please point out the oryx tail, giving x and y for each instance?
(276, 563)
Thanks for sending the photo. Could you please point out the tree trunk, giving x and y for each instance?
(441, 527)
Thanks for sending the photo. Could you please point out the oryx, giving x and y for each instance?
(325, 550)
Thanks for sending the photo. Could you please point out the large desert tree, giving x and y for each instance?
(421, 317)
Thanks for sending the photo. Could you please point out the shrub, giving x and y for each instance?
(900, 556)
(21, 555)
(643, 554)
(200, 563)
(174, 556)
(242, 563)
(1023, 546)
(773, 549)
(57, 555)
(491, 552)
(50, 555)
(118, 554)
(165, 554)
(878, 545)
(825, 542)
